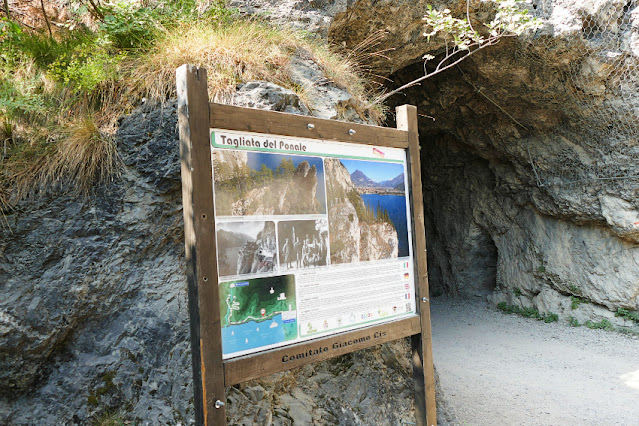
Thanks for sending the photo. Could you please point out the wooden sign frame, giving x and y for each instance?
(196, 116)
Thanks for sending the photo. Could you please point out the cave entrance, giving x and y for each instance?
(462, 255)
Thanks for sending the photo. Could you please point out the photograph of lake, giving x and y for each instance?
(381, 186)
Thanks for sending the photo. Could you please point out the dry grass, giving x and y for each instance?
(86, 155)
(233, 53)
(82, 157)
(64, 145)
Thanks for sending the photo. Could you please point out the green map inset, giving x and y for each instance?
(257, 312)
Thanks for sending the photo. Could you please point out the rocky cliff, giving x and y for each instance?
(529, 169)
(259, 255)
(94, 320)
(294, 193)
(530, 152)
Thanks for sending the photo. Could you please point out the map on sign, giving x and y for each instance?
(257, 312)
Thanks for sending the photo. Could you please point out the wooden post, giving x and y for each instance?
(423, 372)
(204, 307)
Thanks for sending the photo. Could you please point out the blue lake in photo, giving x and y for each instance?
(396, 207)
(242, 337)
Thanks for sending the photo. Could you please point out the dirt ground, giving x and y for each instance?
(498, 369)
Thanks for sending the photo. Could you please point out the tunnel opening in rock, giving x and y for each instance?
(508, 156)
(462, 255)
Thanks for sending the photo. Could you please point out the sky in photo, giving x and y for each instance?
(375, 170)
(247, 228)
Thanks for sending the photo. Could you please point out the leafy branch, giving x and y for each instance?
(462, 40)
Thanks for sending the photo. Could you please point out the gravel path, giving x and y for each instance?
(498, 369)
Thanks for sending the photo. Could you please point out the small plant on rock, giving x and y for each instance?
(546, 317)
(604, 324)
(628, 314)
(574, 289)
(574, 302)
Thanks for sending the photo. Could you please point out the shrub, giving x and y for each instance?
(604, 324)
(546, 317)
(128, 26)
(86, 67)
(628, 314)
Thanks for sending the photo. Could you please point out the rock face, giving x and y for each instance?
(297, 194)
(531, 154)
(259, 255)
(93, 313)
(377, 241)
(308, 15)
(94, 320)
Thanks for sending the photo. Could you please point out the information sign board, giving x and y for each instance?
(304, 240)
(313, 238)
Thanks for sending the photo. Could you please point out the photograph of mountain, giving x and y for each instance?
(253, 183)
(366, 210)
(386, 181)
(245, 248)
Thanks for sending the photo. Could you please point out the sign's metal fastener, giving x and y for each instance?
(219, 404)
(424, 299)
(310, 126)
(351, 132)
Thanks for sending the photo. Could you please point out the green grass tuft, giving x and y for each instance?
(604, 324)
(546, 317)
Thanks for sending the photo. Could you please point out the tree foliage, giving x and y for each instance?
(462, 39)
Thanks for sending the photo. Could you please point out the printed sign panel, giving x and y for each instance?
(313, 238)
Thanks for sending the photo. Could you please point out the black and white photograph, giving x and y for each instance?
(246, 247)
(303, 244)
